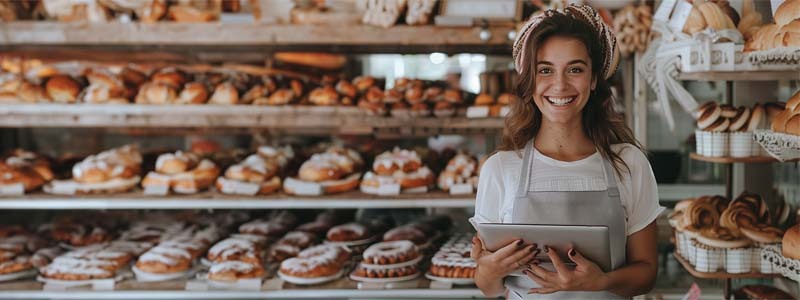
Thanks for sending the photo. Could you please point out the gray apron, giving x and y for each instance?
(601, 208)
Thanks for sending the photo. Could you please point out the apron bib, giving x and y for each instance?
(600, 208)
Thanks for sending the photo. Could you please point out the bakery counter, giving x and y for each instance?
(176, 289)
(356, 38)
(349, 120)
(211, 200)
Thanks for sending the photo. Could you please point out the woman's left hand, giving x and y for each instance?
(586, 276)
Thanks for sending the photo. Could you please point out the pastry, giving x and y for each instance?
(234, 270)
(390, 253)
(225, 94)
(348, 233)
(193, 93)
(324, 96)
(62, 89)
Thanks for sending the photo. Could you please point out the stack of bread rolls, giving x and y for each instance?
(788, 120)
(714, 233)
(725, 130)
(785, 32)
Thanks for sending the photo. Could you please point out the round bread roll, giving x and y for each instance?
(728, 111)
(63, 89)
(257, 92)
(452, 96)
(793, 103)
(779, 122)
(773, 109)
(225, 94)
(756, 118)
(793, 125)
(325, 96)
(374, 95)
(788, 11)
(392, 96)
(739, 121)
(297, 87)
(484, 100)
(363, 83)
(791, 242)
(506, 98)
(155, 93)
(708, 116)
(280, 97)
(193, 93)
(414, 94)
(172, 77)
(347, 89)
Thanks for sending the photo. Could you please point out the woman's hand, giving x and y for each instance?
(586, 276)
(502, 262)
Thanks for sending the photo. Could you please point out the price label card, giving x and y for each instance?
(441, 285)
(461, 189)
(679, 16)
(477, 112)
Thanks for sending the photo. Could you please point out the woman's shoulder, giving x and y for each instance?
(630, 154)
(504, 158)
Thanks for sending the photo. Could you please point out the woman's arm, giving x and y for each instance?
(638, 276)
(493, 267)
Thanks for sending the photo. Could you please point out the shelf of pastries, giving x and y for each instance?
(345, 38)
(741, 75)
(269, 177)
(89, 94)
(233, 254)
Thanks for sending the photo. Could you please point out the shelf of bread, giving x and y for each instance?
(741, 75)
(212, 200)
(346, 38)
(335, 119)
(730, 160)
(716, 237)
(151, 291)
(260, 254)
(782, 141)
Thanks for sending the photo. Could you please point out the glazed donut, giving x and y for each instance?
(63, 268)
(388, 163)
(263, 227)
(453, 265)
(234, 249)
(280, 252)
(389, 253)
(124, 162)
(326, 166)
(300, 239)
(409, 233)
(234, 270)
(164, 259)
(178, 162)
(312, 267)
(348, 232)
(336, 253)
(709, 115)
(420, 178)
(386, 273)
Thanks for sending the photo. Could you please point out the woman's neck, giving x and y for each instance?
(564, 142)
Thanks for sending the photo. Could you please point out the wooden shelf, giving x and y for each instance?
(741, 76)
(730, 160)
(349, 120)
(719, 275)
(212, 200)
(32, 38)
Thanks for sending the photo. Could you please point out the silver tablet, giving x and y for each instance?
(591, 241)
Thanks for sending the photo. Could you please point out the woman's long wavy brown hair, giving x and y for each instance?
(601, 123)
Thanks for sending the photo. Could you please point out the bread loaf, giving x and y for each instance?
(791, 242)
(788, 11)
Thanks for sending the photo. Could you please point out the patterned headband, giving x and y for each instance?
(580, 12)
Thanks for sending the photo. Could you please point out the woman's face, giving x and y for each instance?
(563, 79)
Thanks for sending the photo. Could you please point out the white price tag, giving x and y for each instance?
(441, 285)
(664, 10)
(505, 110)
(16, 189)
(273, 284)
(371, 286)
(248, 284)
(103, 285)
(63, 187)
(158, 190)
(303, 188)
(679, 16)
(196, 285)
(477, 112)
(461, 189)
(416, 190)
(389, 190)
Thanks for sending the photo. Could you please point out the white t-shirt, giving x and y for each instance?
(499, 180)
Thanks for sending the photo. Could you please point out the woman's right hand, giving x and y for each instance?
(502, 262)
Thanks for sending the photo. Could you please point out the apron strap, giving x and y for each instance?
(611, 181)
(525, 170)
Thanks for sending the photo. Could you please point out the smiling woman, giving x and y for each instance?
(567, 158)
